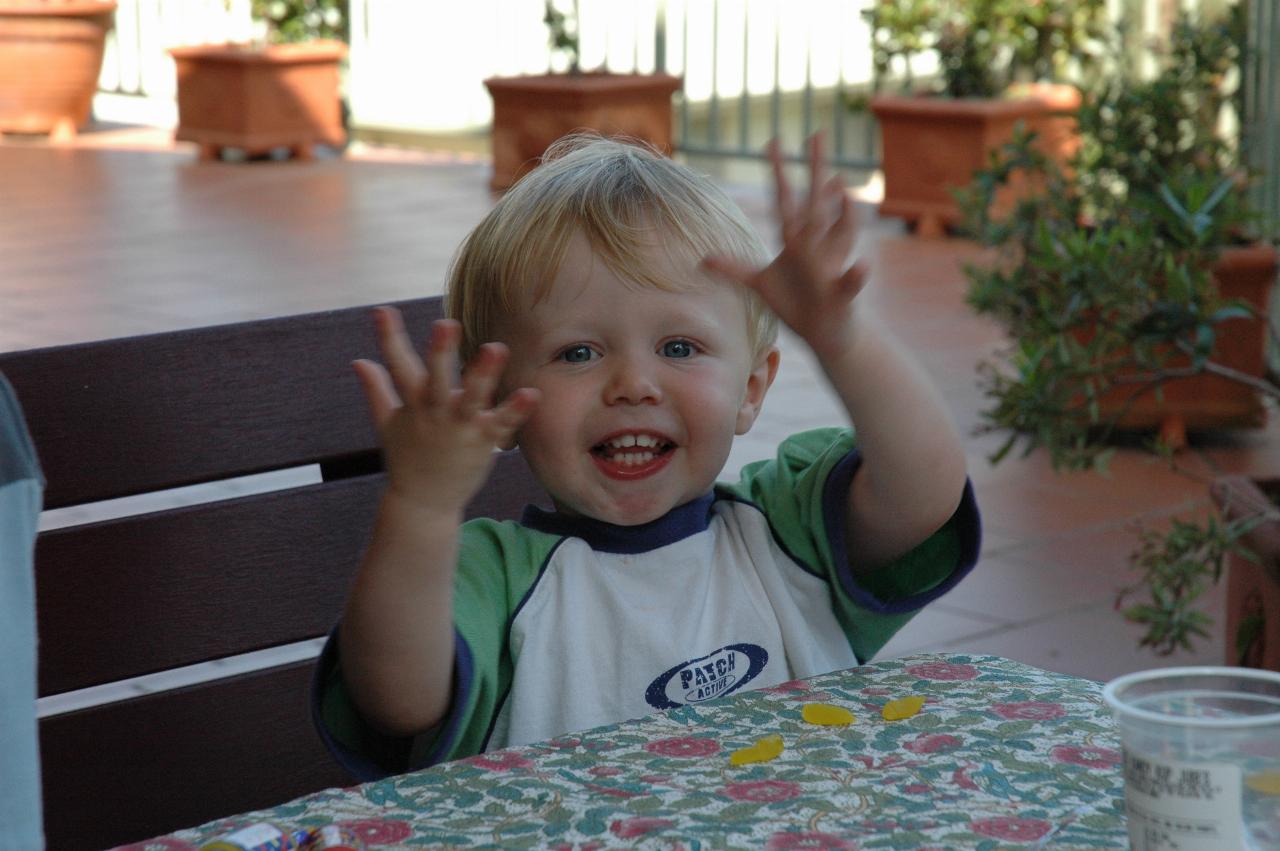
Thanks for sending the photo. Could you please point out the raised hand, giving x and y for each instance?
(811, 284)
(438, 432)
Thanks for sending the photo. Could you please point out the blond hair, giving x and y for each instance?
(625, 198)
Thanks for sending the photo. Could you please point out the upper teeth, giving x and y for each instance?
(627, 440)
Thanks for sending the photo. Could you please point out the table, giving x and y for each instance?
(1002, 755)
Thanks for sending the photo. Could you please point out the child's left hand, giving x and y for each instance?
(811, 285)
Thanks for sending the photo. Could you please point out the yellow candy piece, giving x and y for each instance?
(826, 714)
(770, 747)
(904, 707)
(1268, 782)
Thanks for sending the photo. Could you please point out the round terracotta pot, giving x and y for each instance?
(50, 58)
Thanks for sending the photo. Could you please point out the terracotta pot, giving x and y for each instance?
(50, 59)
(1210, 401)
(1253, 590)
(931, 145)
(529, 113)
(257, 99)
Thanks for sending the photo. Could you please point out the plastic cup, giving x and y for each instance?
(1201, 757)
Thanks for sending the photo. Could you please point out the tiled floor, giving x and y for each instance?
(125, 234)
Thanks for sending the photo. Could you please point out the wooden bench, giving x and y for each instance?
(129, 596)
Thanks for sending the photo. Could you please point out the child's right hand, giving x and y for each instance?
(438, 433)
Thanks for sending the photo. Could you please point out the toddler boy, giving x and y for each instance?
(617, 317)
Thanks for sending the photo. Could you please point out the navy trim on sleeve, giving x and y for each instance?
(361, 766)
(834, 500)
(358, 765)
(464, 677)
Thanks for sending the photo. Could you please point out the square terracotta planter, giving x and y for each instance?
(931, 145)
(257, 99)
(531, 112)
(1253, 590)
(1199, 402)
(50, 59)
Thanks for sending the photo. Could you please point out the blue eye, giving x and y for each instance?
(677, 349)
(576, 354)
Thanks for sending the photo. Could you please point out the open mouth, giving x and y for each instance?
(630, 455)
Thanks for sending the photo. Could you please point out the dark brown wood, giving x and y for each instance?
(135, 769)
(132, 595)
(138, 414)
(146, 593)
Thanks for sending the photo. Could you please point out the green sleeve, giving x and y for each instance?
(804, 492)
(498, 563)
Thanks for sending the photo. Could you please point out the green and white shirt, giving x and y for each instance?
(565, 624)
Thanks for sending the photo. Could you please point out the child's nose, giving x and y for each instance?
(630, 383)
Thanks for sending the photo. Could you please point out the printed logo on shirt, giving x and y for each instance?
(721, 672)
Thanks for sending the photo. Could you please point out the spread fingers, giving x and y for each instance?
(480, 379)
(442, 361)
(403, 364)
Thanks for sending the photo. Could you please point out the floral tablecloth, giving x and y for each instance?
(1001, 755)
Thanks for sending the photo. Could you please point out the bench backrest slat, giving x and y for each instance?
(139, 414)
(124, 771)
(212, 580)
(129, 595)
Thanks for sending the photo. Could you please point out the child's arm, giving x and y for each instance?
(912, 473)
(438, 437)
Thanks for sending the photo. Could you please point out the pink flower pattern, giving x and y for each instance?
(808, 840)
(1029, 710)
(944, 671)
(379, 831)
(933, 743)
(689, 747)
(1011, 828)
(500, 761)
(638, 826)
(1089, 757)
(763, 791)
(604, 770)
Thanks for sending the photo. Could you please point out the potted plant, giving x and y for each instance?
(1253, 568)
(1149, 234)
(50, 58)
(280, 92)
(1000, 63)
(532, 111)
(1116, 286)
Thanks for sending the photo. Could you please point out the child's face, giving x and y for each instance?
(642, 390)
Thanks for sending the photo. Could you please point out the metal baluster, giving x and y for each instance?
(713, 114)
(744, 103)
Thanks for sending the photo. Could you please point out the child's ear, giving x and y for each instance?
(758, 383)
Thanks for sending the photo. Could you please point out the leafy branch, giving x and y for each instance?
(1103, 280)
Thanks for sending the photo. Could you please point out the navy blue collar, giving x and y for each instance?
(676, 525)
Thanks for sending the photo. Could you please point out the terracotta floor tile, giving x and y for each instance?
(1019, 587)
(1141, 482)
(1091, 641)
(1034, 510)
(935, 627)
